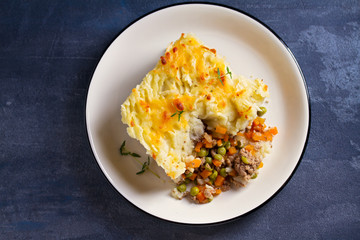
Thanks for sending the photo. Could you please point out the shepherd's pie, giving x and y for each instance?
(191, 91)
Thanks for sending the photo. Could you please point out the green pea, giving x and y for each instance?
(189, 174)
(187, 181)
(262, 111)
(254, 176)
(217, 156)
(223, 172)
(227, 145)
(213, 175)
(221, 151)
(208, 160)
(181, 187)
(244, 159)
(203, 152)
(194, 191)
(207, 167)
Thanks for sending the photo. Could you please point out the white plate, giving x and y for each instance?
(252, 50)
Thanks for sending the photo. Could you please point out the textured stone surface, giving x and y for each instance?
(51, 186)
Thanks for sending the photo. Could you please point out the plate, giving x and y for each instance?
(252, 50)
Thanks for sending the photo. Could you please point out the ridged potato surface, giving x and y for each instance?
(190, 88)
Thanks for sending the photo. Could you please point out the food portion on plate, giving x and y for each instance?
(199, 121)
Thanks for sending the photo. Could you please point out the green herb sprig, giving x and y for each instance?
(145, 165)
(179, 114)
(124, 152)
(219, 76)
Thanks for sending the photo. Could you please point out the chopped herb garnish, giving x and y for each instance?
(145, 166)
(124, 152)
(135, 155)
(228, 72)
(219, 76)
(179, 114)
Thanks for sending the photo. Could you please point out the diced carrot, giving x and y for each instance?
(233, 142)
(260, 120)
(217, 191)
(256, 122)
(261, 165)
(232, 150)
(257, 136)
(233, 173)
(193, 176)
(268, 136)
(219, 142)
(198, 146)
(204, 174)
(194, 163)
(201, 188)
(256, 128)
(220, 129)
(201, 197)
(226, 137)
(249, 147)
(219, 181)
(217, 163)
(248, 135)
(273, 130)
(208, 144)
(240, 134)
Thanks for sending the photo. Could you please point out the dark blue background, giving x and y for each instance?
(51, 185)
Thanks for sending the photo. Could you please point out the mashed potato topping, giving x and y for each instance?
(190, 87)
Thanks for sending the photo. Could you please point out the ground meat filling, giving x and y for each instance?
(246, 171)
(221, 162)
(221, 167)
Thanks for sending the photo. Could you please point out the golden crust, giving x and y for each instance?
(184, 90)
